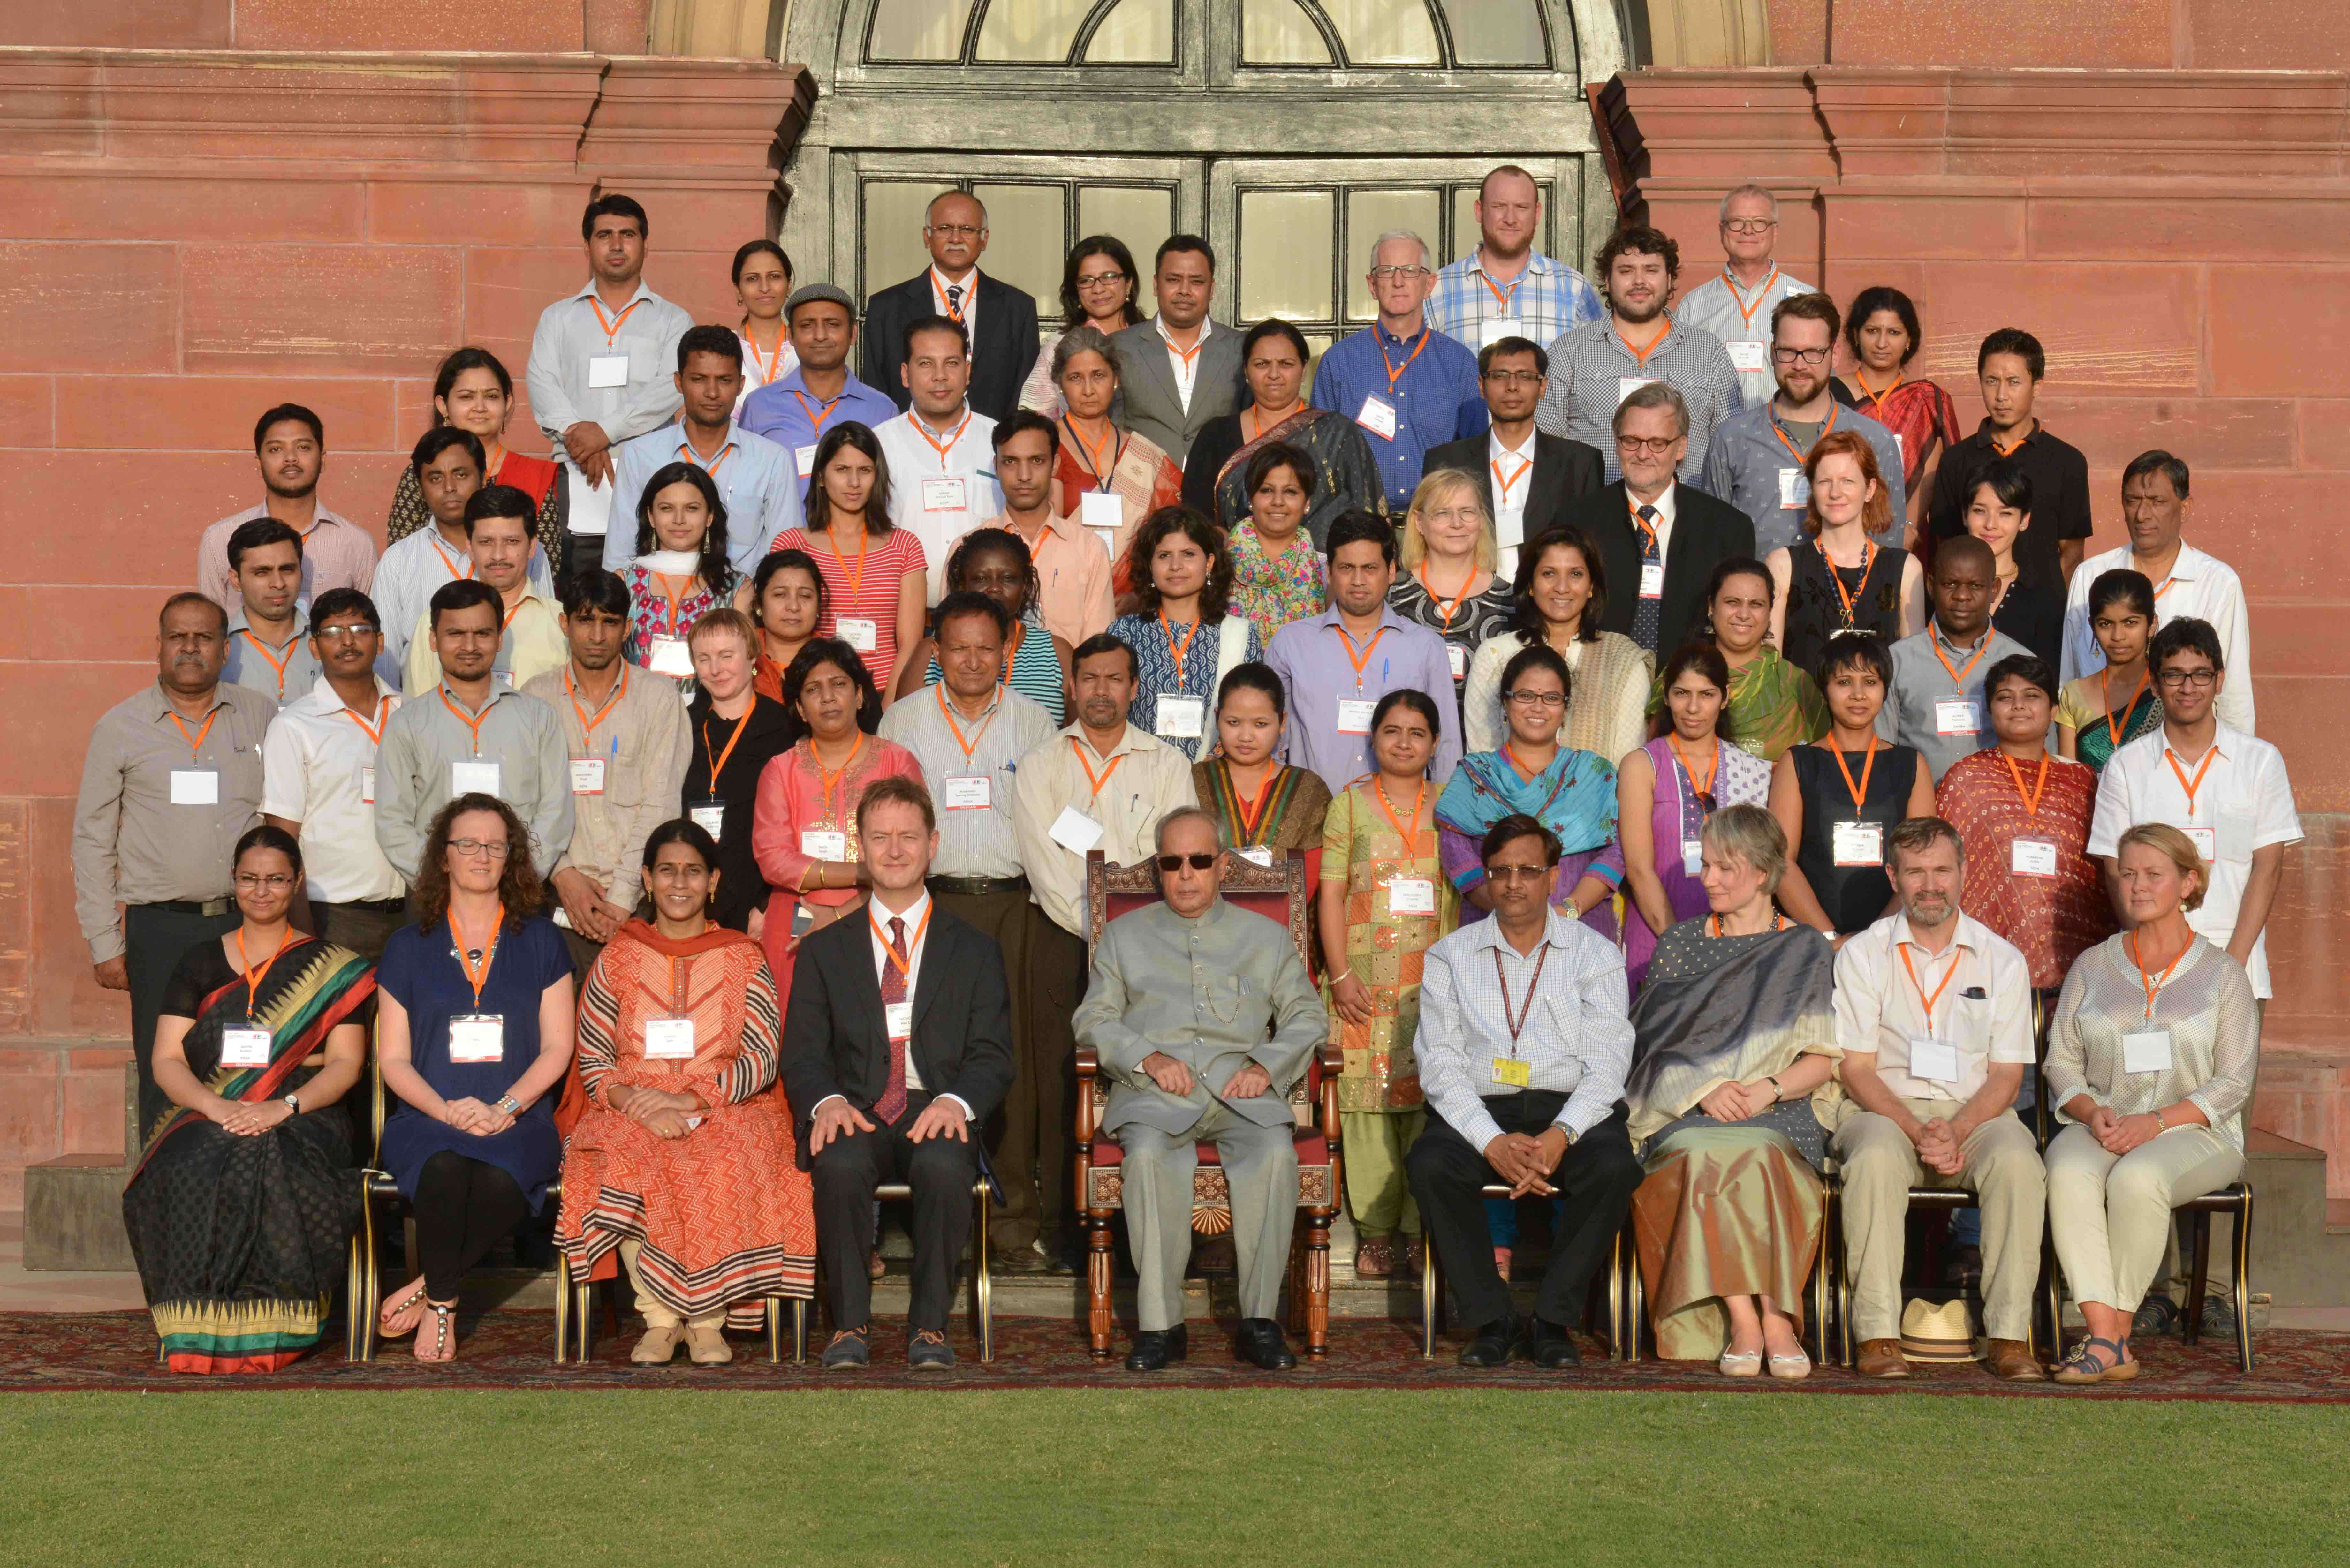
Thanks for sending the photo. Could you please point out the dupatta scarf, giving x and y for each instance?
(1728, 1010)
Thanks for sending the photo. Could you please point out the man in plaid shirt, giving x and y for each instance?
(1505, 287)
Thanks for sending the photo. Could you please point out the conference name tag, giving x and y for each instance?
(671, 658)
(475, 1037)
(1936, 1061)
(1516, 1073)
(1355, 715)
(804, 459)
(1459, 658)
(1652, 579)
(1076, 832)
(201, 786)
(1627, 385)
(608, 370)
(709, 816)
(1492, 332)
(1858, 843)
(821, 844)
(1180, 718)
(1749, 356)
(586, 775)
(859, 632)
(244, 1048)
(945, 495)
(473, 778)
(367, 786)
(2033, 857)
(2146, 1052)
(1957, 716)
(1795, 490)
(1102, 511)
(2206, 841)
(1411, 896)
(969, 792)
(1256, 855)
(669, 1039)
(897, 1018)
(1378, 416)
(1692, 857)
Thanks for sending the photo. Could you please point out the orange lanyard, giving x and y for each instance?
(2106, 696)
(1395, 371)
(2004, 450)
(718, 764)
(1640, 356)
(2190, 786)
(1834, 409)
(829, 782)
(253, 976)
(947, 306)
(1642, 523)
(586, 724)
(1920, 990)
(1509, 482)
(1359, 659)
(1958, 674)
(685, 453)
(374, 732)
(772, 363)
(480, 977)
(473, 724)
(1525, 773)
(817, 412)
(612, 327)
(1012, 651)
(2038, 786)
(1714, 767)
(466, 574)
(1745, 311)
(1116, 442)
(672, 590)
(514, 610)
(1379, 793)
(277, 663)
(1181, 650)
(1877, 398)
(1251, 813)
(1867, 764)
(1186, 354)
(856, 577)
(972, 744)
(1499, 297)
(1447, 610)
(2145, 976)
(1097, 780)
(1256, 425)
(1868, 559)
(935, 445)
(904, 966)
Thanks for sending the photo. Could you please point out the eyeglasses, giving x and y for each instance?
(1800, 356)
(251, 882)
(1537, 698)
(1515, 377)
(1391, 274)
(343, 633)
(1101, 280)
(1176, 862)
(1651, 446)
(1516, 873)
(2188, 679)
(1749, 226)
(956, 231)
(473, 848)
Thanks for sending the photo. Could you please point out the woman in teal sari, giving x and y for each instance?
(246, 1194)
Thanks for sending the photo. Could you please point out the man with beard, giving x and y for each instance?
(530, 633)
(1505, 287)
(291, 442)
(1595, 366)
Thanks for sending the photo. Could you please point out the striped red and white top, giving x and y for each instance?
(873, 594)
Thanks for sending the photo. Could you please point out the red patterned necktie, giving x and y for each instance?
(892, 1103)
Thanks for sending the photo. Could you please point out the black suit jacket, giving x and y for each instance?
(1001, 357)
(835, 1042)
(1705, 533)
(1566, 473)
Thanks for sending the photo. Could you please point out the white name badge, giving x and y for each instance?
(2033, 857)
(671, 658)
(367, 786)
(969, 792)
(1255, 855)
(250, 1048)
(1076, 832)
(1378, 416)
(944, 494)
(1858, 843)
(669, 1039)
(1749, 356)
(587, 776)
(477, 1037)
(1180, 718)
(897, 1018)
(1794, 488)
(710, 818)
(201, 786)
(1627, 385)
(1102, 511)
(1936, 1061)
(804, 459)
(1355, 715)
(1458, 656)
(817, 844)
(1652, 579)
(1957, 716)
(608, 369)
(2206, 842)
(859, 633)
(1692, 857)
(473, 778)
(2147, 1052)
(1411, 896)
(1492, 332)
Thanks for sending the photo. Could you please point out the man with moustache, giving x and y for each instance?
(1737, 304)
(291, 443)
(266, 650)
(450, 466)
(498, 522)
(1505, 287)
(794, 412)
(998, 322)
(939, 450)
(1180, 368)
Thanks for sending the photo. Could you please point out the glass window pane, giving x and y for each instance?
(1369, 215)
(1278, 33)
(1031, 29)
(1385, 32)
(1026, 239)
(1140, 216)
(1284, 244)
(1139, 32)
(892, 248)
(1495, 33)
(917, 30)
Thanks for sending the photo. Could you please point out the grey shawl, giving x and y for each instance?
(1729, 1009)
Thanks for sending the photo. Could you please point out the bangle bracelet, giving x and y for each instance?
(1777, 1093)
(1342, 974)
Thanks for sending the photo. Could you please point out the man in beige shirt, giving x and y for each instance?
(171, 780)
(291, 443)
(625, 732)
(1103, 784)
(1934, 1012)
(501, 525)
(1073, 568)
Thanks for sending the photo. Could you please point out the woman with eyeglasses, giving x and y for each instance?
(1099, 288)
(1273, 357)
(1383, 902)
(473, 1036)
(241, 1200)
(1448, 583)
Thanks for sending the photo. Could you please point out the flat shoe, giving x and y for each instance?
(438, 1342)
(708, 1348)
(657, 1346)
(1735, 1364)
(401, 1313)
(1791, 1368)
(1374, 1258)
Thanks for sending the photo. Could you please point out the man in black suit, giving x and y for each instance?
(1530, 479)
(897, 1044)
(999, 320)
(1658, 541)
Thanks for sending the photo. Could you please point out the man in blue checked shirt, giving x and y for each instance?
(1408, 385)
(755, 477)
(1505, 287)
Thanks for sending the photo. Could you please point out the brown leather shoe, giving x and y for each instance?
(1881, 1358)
(2013, 1360)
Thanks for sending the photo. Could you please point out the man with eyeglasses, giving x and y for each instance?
(1736, 304)
(1407, 385)
(1204, 1021)
(1524, 1038)
(318, 769)
(1530, 479)
(1182, 368)
(998, 322)
(1756, 461)
(171, 781)
(1505, 287)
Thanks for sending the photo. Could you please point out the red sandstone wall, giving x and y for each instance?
(2184, 35)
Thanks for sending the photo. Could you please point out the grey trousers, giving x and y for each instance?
(1261, 1168)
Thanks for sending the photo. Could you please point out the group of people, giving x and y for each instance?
(1763, 685)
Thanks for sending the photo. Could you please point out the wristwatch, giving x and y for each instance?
(294, 1104)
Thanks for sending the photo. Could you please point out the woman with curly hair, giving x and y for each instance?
(993, 562)
(1182, 572)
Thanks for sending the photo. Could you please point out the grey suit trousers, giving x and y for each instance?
(1261, 1168)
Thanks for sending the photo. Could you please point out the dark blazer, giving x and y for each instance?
(1705, 533)
(1148, 402)
(1566, 474)
(834, 1039)
(1001, 358)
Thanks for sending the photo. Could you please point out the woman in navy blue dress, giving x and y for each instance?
(475, 1036)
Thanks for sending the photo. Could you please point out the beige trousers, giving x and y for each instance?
(2110, 1214)
(655, 1314)
(1879, 1166)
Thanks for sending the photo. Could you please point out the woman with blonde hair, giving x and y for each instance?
(1446, 582)
(1839, 578)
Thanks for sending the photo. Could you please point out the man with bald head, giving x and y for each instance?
(1937, 701)
(999, 321)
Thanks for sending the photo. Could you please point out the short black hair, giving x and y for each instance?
(269, 835)
(2007, 482)
(279, 415)
(968, 601)
(2028, 668)
(1500, 346)
(1867, 303)
(776, 561)
(2185, 635)
(706, 339)
(2158, 460)
(1099, 643)
(499, 501)
(1418, 702)
(1273, 326)
(681, 830)
(922, 324)
(615, 204)
(593, 588)
(2122, 586)
(463, 594)
(2014, 340)
(1537, 655)
(1020, 419)
(1355, 526)
(1526, 619)
(259, 533)
(1181, 245)
(1512, 828)
(1851, 650)
(1276, 454)
(819, 651)
(190, 597)
(1255, 675)
(440, 438)
(343, 601)
(762, 247)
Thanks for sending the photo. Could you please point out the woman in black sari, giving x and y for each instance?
(246, 1194)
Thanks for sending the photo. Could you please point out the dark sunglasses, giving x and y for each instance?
(1175, 862)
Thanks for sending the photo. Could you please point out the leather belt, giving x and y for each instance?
(976, 887)
(208, 907)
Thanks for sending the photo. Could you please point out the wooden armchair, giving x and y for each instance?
(1279, 892)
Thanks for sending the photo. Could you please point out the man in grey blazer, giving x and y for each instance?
(1204, 1020)
(1180, 368)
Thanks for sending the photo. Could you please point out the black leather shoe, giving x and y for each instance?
(1259, 1343)
(1490, 1345)
(1553, 1346)
(1155, 1347)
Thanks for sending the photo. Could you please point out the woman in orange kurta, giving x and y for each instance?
(681, 1159)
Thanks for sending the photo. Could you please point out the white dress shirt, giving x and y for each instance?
(1981, 993)
(1667, 508)
(1513, 476)
(940, 497)
(1187, 371)
(876, 925)
(965, 309)
(411, 573)
(317, 763)
(2200, 586)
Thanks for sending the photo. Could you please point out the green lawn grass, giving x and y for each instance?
(1207, 1478)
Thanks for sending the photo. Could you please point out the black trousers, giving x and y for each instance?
(362, 928)
(1057, 984)
(463, 1208)
(1595, 1181)
(155, 938)
(1012, 1130)
(847, 1170)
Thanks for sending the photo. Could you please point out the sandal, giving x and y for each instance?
(443, 1339)
(2082, 1363)
(400, 1315)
